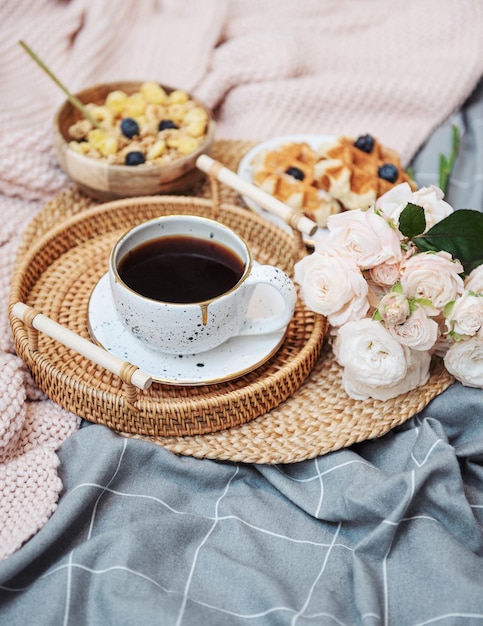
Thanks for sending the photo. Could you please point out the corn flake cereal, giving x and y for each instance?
(158, 126)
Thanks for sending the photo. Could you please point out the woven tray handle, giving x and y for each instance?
(296, 219)
(130, 374)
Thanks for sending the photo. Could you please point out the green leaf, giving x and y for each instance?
(412, 221)
(448, 308)
(444, 172)
(423, 302)
(460, 234)
(455, 336)
(397, 288)
(446, 164)
(412, 305)
(471, 265)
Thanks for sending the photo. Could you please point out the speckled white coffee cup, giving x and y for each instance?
(199, 326)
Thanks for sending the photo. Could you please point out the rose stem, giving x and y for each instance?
(73, 99)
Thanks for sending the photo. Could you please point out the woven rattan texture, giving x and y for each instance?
(56, 278)
(290, 409)
(71, 202)
(317, 419)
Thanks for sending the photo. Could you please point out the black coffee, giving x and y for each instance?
(181, 269)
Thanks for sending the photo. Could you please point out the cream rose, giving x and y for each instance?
(466, 316)
(333, 287)
(464, 360)
(417, 374)
(369, 354)
(418, 332)
(474, 282)
(432, 276)
(435, 208)
(363, 236)
(393, 201)
(429, 198)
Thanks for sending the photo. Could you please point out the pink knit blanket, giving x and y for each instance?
(267, 67)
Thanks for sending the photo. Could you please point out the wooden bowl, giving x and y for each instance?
(105, 181)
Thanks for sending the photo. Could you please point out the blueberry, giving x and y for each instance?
(129, 127)
(388, 171)
(365, 143)
(295, 172)
(164, 124)
(134, 158)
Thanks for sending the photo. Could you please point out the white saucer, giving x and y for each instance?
(245, 167)
(235, 357)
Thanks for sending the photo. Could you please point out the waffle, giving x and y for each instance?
(339, 175)
(288, 174)
(357, 176)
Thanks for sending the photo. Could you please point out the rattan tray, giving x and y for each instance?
(57, 277)
(290, 409)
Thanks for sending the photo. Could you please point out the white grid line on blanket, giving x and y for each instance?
(141, 496)
(318, 474)
(185, 597)
(197, 551)
(301, 612)
(105, 489)
(93, 516)
(215, 519)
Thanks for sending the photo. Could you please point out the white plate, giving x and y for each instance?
(235, 357)
(245, 167)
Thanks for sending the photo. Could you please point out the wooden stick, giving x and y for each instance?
(90, 350)
(294, 218)
(73, 99)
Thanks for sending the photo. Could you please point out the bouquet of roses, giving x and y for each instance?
(398, 283)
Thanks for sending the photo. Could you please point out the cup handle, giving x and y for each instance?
(275, 278)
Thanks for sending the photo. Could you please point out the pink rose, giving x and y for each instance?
(418, 332)
(333, 287)
(474, 282)
(432, 276)
(363, 236)
(466, 316)
(386, 274)
(394, 308)
(464, 360)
